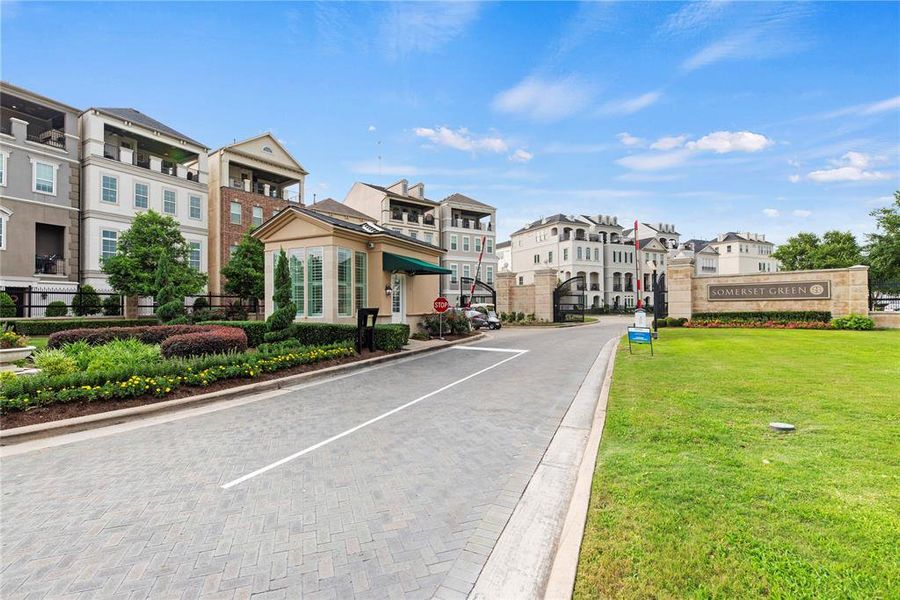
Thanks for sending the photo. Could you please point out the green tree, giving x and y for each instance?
(884, 245)
(245, 271)
(805, 251)
(838, 250)
(282, 295)
(798, 253)
(133, 268)
(86, 301)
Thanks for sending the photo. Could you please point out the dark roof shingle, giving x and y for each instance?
(136, 116)
(330, 205)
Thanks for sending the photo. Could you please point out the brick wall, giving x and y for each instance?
(230, 233)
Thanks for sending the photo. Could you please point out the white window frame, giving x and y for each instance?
(360, 284)
(103, 238)
(34, 165)
(164, 211)
(240, 213)
(489, 274)
(262, 216)
(310, 252)
(191, 198)
(4, 166)
(4, 227)
(466, 243)
(467, 270)
(348, 284)
(490, 245)
(454, 242)
(135, 195)
(199, 246)
(454, 273)
(115, 179)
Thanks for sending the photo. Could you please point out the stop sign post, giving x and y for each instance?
(440, 307)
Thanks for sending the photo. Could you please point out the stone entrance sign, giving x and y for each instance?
(785, 290)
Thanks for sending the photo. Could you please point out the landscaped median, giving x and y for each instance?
(86, 371)
(694, 496)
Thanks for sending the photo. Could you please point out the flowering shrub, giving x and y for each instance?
(134, 380)
(154, 334)
(10, 339)
(780, 316)
(217, 339)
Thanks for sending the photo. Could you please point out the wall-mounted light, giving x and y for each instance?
(371, 245)
(388, 291)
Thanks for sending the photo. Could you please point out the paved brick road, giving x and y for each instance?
(408, 507)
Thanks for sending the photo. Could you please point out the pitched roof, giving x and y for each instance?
(367, 228)
(646, 241)
(657, 230)
(330, 205)
(463, 199)
(266, 134)
(557, 218)
(505, 244)
(696, 244)
(136, 116)
(399, 196)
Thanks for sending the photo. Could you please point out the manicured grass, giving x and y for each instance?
(694, 497)
(38, 341)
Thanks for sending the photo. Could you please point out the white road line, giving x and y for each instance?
(334, 438)
(484, 349)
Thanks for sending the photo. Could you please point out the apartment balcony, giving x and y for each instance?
(36, 123)
(595, 287)
(617, 287)
(264, 189)
(426, 220)
(49, 137)
(6, 127)
(49, 265)
(124, 154)
(707, 269)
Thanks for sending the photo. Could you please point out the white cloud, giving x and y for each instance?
(409, 27)
(630, 140)
(653, 161)
(852, 166)
(794, 178)
(722, 142)
(544, 100)
(371, 128)
(461, 139)
(521, 156)
(630, 105)
(801, 213)
(869, 108)
(692, 16)
(669, 142)
(771, 212)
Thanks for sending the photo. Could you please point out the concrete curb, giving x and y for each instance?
(561, 582)
(27, 433)
(521, 561)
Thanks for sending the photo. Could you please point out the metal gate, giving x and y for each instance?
(569, 300)
(660, 298)
(483, 294)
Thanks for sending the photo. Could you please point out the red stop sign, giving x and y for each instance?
(441, 305)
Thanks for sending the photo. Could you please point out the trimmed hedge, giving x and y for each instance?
(46, 327)
(784, 316)
(215, 341)
(255, 330)
(854, 322)
(154, 334)
(57, 308)
(159, 379)
(391, 337)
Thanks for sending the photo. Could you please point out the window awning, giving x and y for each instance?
(411, 266)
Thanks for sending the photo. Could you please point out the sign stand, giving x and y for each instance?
(440, 307)
(640, 335)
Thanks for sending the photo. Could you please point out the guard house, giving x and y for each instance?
(338, 266)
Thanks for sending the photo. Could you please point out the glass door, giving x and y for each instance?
(398, 300)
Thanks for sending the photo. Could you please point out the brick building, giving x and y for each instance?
(249, 182)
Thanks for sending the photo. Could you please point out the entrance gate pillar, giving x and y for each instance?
(679, 276)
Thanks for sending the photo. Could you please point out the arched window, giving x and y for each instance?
(554, 231)
(579, 234)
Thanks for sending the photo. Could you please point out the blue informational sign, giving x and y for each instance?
(640, 335)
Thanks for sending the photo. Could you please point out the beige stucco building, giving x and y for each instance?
(249, 182)
(400, 207)
(338, 266)
(40, 197)
(744, 253)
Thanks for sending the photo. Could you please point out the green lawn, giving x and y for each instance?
(38, 341)
(694, 497)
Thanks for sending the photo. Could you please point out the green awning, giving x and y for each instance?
(411, 266)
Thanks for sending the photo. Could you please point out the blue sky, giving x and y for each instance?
(715, 116)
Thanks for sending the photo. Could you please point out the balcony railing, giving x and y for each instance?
(111, 151)
(595, 287)
(617, 287)
(708, 269)
(256, 188)
(6, 127)
(193, 174)
(49, 264)
(50, 137)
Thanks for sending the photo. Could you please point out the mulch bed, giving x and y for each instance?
(68, 410)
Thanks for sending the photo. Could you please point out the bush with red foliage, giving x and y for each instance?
(214, 340)
(152, 334)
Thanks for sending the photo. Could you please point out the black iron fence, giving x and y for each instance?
(46, 301)
(884, 296)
